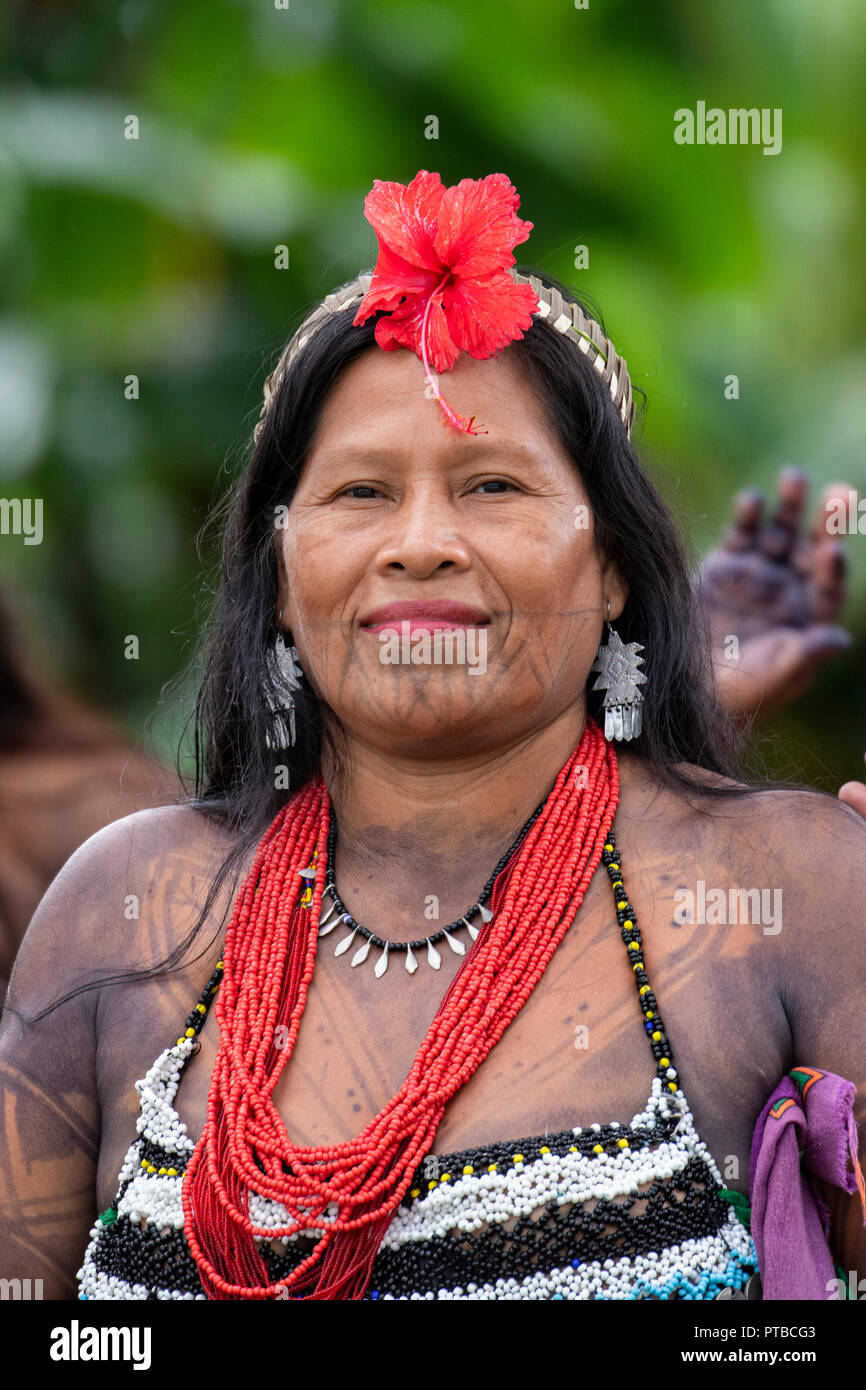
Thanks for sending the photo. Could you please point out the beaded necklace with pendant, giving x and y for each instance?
(332, 916)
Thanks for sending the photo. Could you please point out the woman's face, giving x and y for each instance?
(390, 510)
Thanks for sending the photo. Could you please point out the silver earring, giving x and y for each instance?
(285, 678)
(617, 663)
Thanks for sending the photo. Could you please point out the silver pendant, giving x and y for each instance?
(617, 664)
(362, 953)
(325, 925)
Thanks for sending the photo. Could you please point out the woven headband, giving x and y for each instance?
(444, 283)
(564, 315)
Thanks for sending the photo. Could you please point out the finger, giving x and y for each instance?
(748, 515)
(828, 524)
(831, 512)
(827, 582)
(792, 486)
(822, 642)
(780, 534)
(854, 795)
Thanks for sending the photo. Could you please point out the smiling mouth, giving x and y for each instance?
(411, 625)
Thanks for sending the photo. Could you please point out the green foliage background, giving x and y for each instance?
(261, 126)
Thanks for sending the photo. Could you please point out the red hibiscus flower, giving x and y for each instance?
(441, 274)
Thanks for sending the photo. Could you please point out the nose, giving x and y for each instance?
(425, 532)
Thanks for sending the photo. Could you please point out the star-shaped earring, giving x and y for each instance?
(285, 673)
(617, 664)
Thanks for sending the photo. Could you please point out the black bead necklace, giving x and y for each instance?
(332, 916)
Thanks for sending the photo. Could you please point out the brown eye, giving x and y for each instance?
(497, 482)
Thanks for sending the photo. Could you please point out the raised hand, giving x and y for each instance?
(773, 593)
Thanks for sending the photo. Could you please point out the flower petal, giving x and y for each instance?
(403, 329)
(394, 279)
(404, 217)
(484, 315)
(478, 225)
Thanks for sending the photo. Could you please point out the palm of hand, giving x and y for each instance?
(772, 593)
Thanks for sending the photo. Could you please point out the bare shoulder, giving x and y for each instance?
(118, 904)
(807, 836)
(804, 844)
(763, 816)
(158, 833)
(119, 900)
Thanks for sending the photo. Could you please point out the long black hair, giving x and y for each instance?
(683, 725)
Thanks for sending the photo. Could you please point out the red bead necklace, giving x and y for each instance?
(348, 1193)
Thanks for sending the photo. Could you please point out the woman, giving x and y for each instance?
(368, 1105)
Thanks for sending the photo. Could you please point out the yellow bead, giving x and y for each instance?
(150, 1168)
(432, 1183)
(144, 1163)
(598, 1149)
(162, 1172)
(622, 904)
(518, 1158)
(446, 1177)
(617, 883)
(649, 1014)
(609, 847)
(664, 1061)
(623, 1143)
(201, 1008)
(491, 1167)
(172, 1172)
(672, 1085)
(219, 965)
(545, 1150)
(416, 1192)
(643, 989)
(573, 1149)
(180, 1040)
(615, 867)
(656, 1036)
(468, 1169)
(634, 945)
(190, 1033)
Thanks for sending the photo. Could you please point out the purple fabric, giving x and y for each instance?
(790, 1221)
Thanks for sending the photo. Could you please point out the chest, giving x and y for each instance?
(577, 1053)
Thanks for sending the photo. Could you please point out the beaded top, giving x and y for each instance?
(605, 1211)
